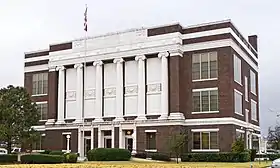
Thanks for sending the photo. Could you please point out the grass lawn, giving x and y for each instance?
(133, 164)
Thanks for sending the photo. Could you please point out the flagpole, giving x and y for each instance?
(83, 112)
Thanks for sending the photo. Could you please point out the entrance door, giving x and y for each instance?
(87, 146)
(129, 144)
(107, 143)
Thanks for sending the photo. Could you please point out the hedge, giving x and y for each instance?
(141, 155)
(10, 158)
(41, 159)
(56, 153)
(70, 158)
(108, 154)
(216, 157)
(273, 156)
(161, 157)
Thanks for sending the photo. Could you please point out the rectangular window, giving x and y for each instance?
(151, 141)
(204, 66)
(43, 110)
(238, 102)
(240, 134)
(40, 84)
(205, 140)
(253, 82)
(205, 100)
(246, 88)
(38, 145)
(237, 70)
(254, 110)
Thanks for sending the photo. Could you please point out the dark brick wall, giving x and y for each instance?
(52, 94)
(174, 83)
(95, 137)
(116, 133)
(54, 140)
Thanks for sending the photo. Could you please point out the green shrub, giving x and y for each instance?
(216, 157)
(161, 157)
(41, 159)
(70, 158)
(273, 156)
(141, 155)
(11, 158)
(56, 153)
(238, 146)
(253, 154)
(108, 154)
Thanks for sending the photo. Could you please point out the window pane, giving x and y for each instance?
(237, 69)
(204, 57)
(253, 82)
(238, 103)
(213, 69)
(214, 100)
(205, 140)
(40, 87)
(196, 58)
(214, 140)
(213, 56)
(205, 100)
(204, 70)
(196, 71)
(151, 140)
(254, 110)
(35, 77)
(34, 87)
(44, 111)
(196, 102)
(196, 140)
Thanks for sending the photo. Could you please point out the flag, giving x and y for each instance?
(85, 20)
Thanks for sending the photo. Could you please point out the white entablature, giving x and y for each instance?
(116, 46)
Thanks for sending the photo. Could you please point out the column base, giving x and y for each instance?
(59, 122)
(96, 120)
(163, 117)
(141, 118)
(50, 122)
(81, 159)
(119, 119)
(176, 116)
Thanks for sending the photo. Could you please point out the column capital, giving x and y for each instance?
(60, 68)
(97, 63)
(140, 57)
(79, 65)
(163, 54)
(118, 60)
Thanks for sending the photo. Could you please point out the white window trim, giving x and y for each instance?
(238, 92)
(208, 67)
(205, 130)
(253, 101)
(42, 102)
(205, 150)
(148, 131)
(66, 133)
(205, 89)
(40, 94)
(37, 95)
(235, 56)
(205, 112)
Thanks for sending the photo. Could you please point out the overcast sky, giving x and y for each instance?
(34, 24)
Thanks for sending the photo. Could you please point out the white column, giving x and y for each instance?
(91, 138)
(99, 91)
(79, 141)
(61, 95)
(68, 143)
(100, 145)
(259, 144)
(250, 140)
(119, 89)
(79, 92)
(247, 140)
(134, 148)
(164, 85)
(113, 137)
(141, 87)
(121, 138)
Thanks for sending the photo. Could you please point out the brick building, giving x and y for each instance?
(134, 89)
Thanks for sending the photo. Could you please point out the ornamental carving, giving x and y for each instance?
(110, 91)
(90, 94)
(71, 95)
(154, 88)
(131, 90)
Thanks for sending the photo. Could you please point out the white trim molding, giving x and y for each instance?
(66, 133)
(150, 150)
(205, 89)
(147, 131)
(205, 130)
(239, 130)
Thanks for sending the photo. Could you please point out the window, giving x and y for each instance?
(43, 110)
(39, 144)
(254, 110)
(151, 141)
(253, 82)
(205, 140)
(205, 100)
(238, 102)
(237, 69)
(246, 88)
(240, 134)
(40, 84)
(204, 66)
